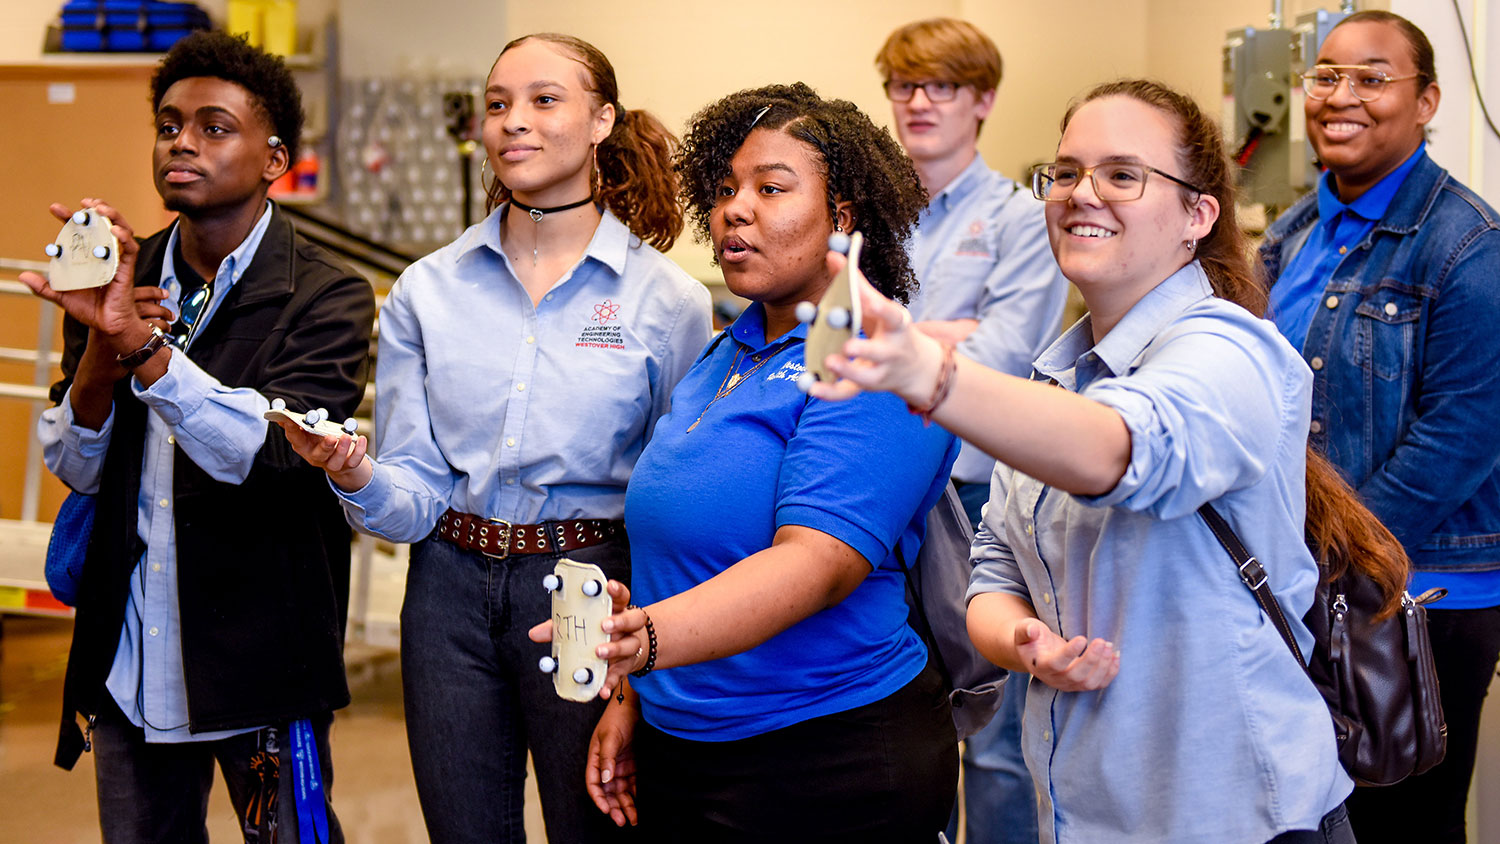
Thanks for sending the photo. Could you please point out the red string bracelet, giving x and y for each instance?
(940, 392)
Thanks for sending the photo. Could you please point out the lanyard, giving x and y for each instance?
(307, 784)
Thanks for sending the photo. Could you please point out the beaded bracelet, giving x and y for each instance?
(651, 647)
(939, 392)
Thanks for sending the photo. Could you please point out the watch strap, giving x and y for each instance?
(146, 352)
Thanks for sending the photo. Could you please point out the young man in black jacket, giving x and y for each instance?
(215, 588)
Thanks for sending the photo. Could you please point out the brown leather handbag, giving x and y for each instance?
(1377, 677)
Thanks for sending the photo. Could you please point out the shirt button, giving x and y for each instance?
(1343, 250)
(521, 386)
(1046, 597)
(163, 502)
(1316, 427)
(530, 340)
(1316, 363)
(1332, 302)
(549, 297)
(755, 358)
(154, 631)
(1046, 735)
(510, 441)
(156, 566)
(510, 480)
(1390, 309)
(1029, 530)
(171, 440)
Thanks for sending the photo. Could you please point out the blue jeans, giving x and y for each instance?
(999, 796)
(475, 699)
(151, 792)
(1334, 829)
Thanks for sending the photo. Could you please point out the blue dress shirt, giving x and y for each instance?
(1341, 226)
(981, 252)
(493, 406)
(220, 429)
(760, 456)
(1211, 732)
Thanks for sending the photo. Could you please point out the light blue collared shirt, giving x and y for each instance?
(220, 429)
(493, 406)
(981, 252)
(1211, 732)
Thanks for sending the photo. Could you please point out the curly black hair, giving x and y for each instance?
(862, 164)
(273, 91)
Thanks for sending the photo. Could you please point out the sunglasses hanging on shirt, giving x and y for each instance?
(194, 303)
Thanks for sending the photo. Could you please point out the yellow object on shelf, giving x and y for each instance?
(279, 23)
(245, 17)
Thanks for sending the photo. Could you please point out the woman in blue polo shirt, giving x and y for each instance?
(1163, 706)
(521, 369)
(786, 695)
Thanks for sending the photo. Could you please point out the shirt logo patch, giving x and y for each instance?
(603, 335)
(788, 372)
(606, 311)
(974, 245)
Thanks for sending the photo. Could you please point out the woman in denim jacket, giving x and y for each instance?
(1388, 280)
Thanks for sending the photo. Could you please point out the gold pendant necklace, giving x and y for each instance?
(733, 378)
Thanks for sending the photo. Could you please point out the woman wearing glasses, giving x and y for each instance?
(1386, 279)
(520, 373)
(1162, 706)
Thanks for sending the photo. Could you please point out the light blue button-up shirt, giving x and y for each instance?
(219, 428)
(981, 252)
(493, 406)
(1211, 732)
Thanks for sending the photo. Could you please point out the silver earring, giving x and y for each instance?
(838, 228)
(273, 142)
(1192, 245)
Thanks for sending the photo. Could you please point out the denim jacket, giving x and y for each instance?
(1405, 353)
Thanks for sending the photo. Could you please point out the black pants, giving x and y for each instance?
(1430, 808)
(886, 771)
(150, 793)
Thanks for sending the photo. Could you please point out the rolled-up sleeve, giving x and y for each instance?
(1205, 414)
(73, 453)
(220, 428)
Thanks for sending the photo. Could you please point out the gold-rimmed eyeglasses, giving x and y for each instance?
(1365, 83)
(1113, 181)
(937, 91)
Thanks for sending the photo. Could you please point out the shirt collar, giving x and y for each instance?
(230, 269)
(1372, 204)
(962, 185)
(609, 246)
(1074, 359)
(749, 329)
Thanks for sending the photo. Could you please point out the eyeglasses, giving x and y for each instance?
(901, 91)
(1114, 181)
(1365, 83)
(191, 310)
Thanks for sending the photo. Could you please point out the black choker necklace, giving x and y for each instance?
(536, 213)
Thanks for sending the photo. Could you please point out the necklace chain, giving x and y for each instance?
(734, 378)
(536, 215)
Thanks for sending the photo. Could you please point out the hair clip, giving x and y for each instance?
(274, 141)
(759, 115)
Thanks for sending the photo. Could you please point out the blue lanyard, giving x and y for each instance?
(312, 812)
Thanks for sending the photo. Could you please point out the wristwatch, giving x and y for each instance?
(146, 352)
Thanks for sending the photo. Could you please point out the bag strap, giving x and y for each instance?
(929, 637)
(1253, 575)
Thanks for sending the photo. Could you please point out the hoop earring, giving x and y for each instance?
(1192, 245)
(489, 189)
(596, 187)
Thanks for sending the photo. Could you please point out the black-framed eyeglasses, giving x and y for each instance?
(1365, 83)
(937, 91)
(1114, 181)
(190, 314)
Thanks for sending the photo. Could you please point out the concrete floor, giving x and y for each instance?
(374, 793)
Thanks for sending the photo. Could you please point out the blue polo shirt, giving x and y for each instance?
(757, 457)
(1341, 227)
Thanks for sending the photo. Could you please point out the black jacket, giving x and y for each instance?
(262, 566)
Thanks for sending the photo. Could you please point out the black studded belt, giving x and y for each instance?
(497, 538)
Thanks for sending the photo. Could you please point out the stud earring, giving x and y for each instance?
(273, 142)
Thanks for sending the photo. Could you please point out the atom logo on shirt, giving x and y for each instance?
(606, 311)
(974, 245)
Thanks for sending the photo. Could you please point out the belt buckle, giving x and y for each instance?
(479, 532)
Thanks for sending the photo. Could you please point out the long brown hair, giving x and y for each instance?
(635, 179)
(1341, 530)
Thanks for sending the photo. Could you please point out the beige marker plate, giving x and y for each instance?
(823, 339)
(323, 428)
(76, 267)
(576, 630)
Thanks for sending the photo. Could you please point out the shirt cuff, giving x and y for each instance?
(867, 544)
(1138, 414)
(179, 392)
(86, 442)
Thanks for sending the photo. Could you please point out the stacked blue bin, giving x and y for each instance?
(128, 26)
